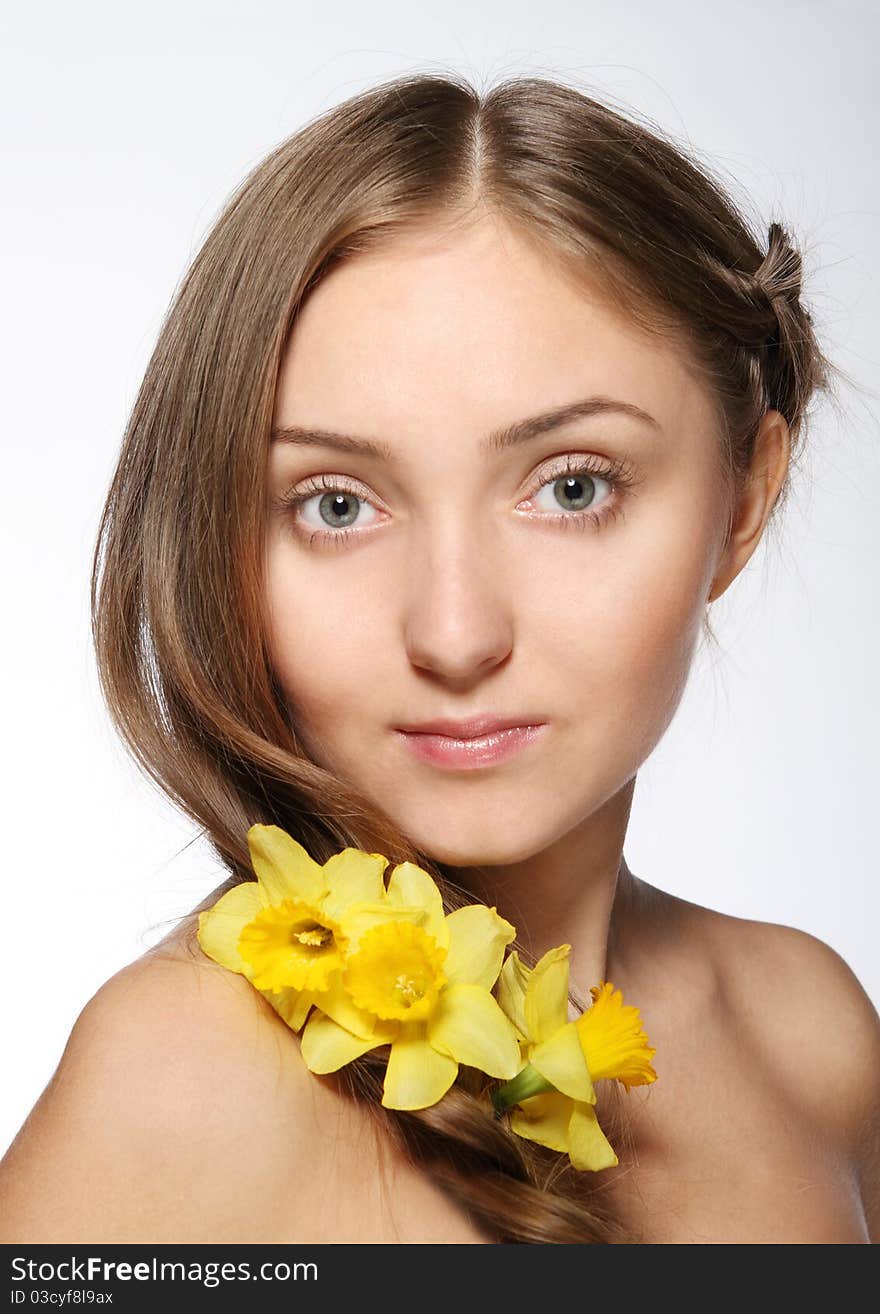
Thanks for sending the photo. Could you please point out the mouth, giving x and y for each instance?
(468, 751)
(472, 727)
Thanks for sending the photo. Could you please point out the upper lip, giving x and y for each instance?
(471, 728)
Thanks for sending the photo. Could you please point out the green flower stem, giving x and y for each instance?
(524, 1085)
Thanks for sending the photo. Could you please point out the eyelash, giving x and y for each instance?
(617, 472)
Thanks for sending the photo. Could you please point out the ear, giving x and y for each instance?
(756, 499)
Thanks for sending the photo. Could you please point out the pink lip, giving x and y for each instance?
(469, 727)
(471, 751)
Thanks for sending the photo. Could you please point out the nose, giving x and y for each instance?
(457, 617)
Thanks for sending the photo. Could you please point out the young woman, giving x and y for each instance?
(467, 410)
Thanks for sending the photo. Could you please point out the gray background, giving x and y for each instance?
(124, 130)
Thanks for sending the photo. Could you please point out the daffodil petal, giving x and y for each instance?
(364, 916)
(417, 1075)
(220, 926)
(326, 1047)
(588, 1146)
(291, 1005)
(478, 937)
(561, 1060)
(470, 1027)
(284, 868)
(543, 1118)
(510, 992)
(546, 1002)
(338, 1004)
(352, 877)
(410, 886)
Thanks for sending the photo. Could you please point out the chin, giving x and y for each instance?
(482, 844)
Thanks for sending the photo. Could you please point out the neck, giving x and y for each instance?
(578, 891)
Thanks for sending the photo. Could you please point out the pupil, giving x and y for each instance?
(576, 491)
(336, 503)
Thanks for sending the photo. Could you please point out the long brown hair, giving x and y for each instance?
(177, 579)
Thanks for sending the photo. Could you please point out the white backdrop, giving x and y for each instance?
(124, 130)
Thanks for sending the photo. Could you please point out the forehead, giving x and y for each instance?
(471, 323)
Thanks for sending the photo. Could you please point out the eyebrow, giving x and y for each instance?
(511, 435)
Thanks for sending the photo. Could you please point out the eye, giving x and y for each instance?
(328, 507)
(572, 492)
(585, 490)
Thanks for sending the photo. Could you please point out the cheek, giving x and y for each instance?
(619, 620)
(655, 650)
(650, 604)
(324, 640)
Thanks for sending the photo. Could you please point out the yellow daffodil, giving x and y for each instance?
(425, 989)
(554, 1091)
(289, 931)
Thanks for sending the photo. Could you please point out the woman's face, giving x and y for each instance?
(459, 575)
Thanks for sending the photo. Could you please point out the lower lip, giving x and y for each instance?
(465, 754)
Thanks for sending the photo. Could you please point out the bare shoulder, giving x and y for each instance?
(806, 1002)
(180, 1111)
(787, 991)
(809, 1021)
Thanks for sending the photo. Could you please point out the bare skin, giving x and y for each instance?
(458, 590)
(182, 1111)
